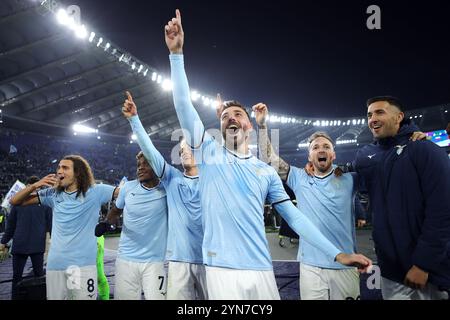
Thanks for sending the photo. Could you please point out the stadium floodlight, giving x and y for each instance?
(303, 145)
(133, 66)
(206, 102)
(363, 121)
(348, 122)
(83, 129)
(140, 68)
(166, 85)
(121, 57)
(98, 137)
(446, 111)
(107, 46)
(99, 42)
(347, 141)
(75, 133)
(63, 18)
(131, 141)
(339, 122)
(214, 104)
(195, 95)
(133, 137)
(359, 121)
(145, 72)
(80, 31)
(154, 76)
(92, 36)
(415, 117)
(420, 116)
(159, 79)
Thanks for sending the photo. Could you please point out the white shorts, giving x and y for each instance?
(186, 281)
(234, 284)
(74, 283)
(132, 278)
(328, 284)
(392, 290)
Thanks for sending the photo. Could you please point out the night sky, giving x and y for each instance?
(305, 58)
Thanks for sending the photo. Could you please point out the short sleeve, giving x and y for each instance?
(104, 192)
(47, 197)
(293, 178)
(120, 201)
(276, 193)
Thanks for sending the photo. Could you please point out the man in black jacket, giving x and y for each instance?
(409, 189)
(27, 226)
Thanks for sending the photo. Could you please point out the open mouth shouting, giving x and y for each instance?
(233, 129)
(322, 160)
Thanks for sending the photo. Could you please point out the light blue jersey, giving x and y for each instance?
(144, 230)
(233, 190)
(328, 203)
(74, 220)
(185, 216)
(184, 242)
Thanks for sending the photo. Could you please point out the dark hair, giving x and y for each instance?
(234, 103)
(448, 129)
(391, 100)
(32, 180)
(181, 141)
(82, 173)
(140, 155)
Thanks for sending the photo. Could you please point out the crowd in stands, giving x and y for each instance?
(25, 154)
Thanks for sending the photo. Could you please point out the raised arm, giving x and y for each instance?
(152, 155)
(309, 232)
(266, 151)
(187, 115)
(27, 196)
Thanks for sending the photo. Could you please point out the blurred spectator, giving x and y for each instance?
(28, 227)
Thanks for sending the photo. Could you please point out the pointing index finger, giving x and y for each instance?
(129, 97)
(178, 15)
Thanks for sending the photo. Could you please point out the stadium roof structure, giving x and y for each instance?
(55, 72)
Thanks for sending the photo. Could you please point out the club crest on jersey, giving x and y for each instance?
(400, 149)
